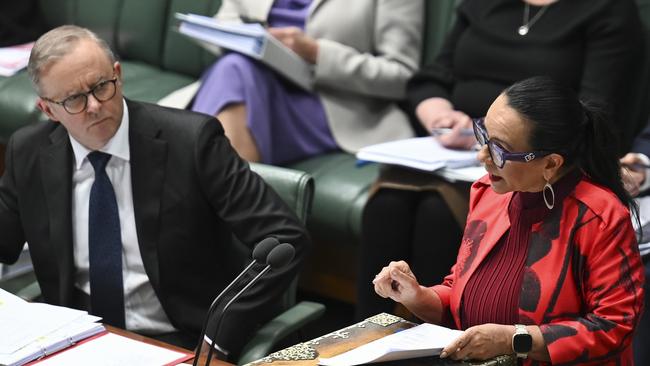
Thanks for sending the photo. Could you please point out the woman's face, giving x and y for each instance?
(507, 128)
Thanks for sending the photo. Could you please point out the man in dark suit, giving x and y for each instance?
(637, 182)
(129, 209)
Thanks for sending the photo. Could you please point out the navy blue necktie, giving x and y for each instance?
(105, 246)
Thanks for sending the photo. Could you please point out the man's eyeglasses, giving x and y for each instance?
(77, 103)
(498, 153)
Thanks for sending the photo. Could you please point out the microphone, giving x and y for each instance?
(260, 254)
(279, 257)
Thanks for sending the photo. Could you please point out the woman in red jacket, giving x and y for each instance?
(548, 267)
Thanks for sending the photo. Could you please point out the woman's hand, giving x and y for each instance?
(439, 113)
(300, 43)
(481, 343)
(397, 281)
(633, 177)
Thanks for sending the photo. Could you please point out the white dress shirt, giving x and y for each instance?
(143, 311)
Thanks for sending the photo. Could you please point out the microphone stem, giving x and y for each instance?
(211, 309)
(213, 340)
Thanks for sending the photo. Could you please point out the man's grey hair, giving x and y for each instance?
(56, 44)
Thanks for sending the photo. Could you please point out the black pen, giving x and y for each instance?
(636, 166)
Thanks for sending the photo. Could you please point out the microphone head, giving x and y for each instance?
(262, 250)
(280, 256)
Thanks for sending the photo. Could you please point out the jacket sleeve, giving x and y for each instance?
(12, 237)
(437, 79)
(397, 37)
(611, 282)
(253, 211)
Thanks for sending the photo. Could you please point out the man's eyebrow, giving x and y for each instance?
(77, 92)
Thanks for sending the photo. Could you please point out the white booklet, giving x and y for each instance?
(29, 331)
(14, 58)
(421, 341)
(250, 39)
(422, 153)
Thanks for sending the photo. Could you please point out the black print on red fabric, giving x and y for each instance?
(564, 269)
(595, 323)
(553, 332)
(530, 291)
(540, 241)
(474, 233)
(580, 270)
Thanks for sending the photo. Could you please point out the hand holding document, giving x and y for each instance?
(420, 341)
(250, 39)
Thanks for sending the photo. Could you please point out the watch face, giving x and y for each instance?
(522, 343)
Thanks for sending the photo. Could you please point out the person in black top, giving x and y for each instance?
(595, 46)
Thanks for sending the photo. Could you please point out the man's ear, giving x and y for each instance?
(45, 108)
(554, 163)
(118, 70)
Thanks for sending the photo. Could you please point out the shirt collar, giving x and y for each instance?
(117, 146)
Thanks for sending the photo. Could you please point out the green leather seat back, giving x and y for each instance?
(179, 52)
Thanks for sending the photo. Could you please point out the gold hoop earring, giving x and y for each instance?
(549, 188)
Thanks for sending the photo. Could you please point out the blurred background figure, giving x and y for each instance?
(362, 52)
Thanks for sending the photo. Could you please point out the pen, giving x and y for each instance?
(636, 166)
(445, 131)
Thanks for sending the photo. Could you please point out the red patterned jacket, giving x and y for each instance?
(583, 278)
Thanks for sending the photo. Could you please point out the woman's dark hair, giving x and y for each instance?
(579, 132)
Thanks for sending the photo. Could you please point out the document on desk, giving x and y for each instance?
(422, 153)
(32, 330)
(420, 341)
(112, 349)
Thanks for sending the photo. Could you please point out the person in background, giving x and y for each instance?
(594, 46)
(130, 209)
(635, 170)
(362, 52)
(548, 267)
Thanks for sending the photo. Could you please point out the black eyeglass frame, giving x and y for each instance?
(497, 152)
(85, 96)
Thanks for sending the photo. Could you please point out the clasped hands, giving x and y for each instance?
(396, 281)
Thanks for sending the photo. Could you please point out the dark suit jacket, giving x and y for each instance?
(191, 192)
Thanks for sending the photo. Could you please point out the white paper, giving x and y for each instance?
(114, 350)
(22, 323)
(644, 217)
(420, 341)
(423, 153)
(14, 58)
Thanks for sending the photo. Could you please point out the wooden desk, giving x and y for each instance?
(378, 326)
(141, 338)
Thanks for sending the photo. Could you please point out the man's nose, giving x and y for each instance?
(92, 104)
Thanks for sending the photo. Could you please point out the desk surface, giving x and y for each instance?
(378, 326)
(154, 342)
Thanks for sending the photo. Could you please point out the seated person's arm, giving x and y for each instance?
(12, 238)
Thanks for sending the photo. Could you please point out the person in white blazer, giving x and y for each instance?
(363, 53)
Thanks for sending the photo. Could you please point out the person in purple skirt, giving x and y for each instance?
(362, 52)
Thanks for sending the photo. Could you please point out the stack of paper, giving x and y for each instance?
(33, 330)
(423, 153)
(14, 58)
(248, 39)
(420, 341)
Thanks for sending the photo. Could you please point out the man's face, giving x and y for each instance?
(83, 69)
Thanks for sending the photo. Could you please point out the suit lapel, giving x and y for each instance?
(56, 168)
(148, 160)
